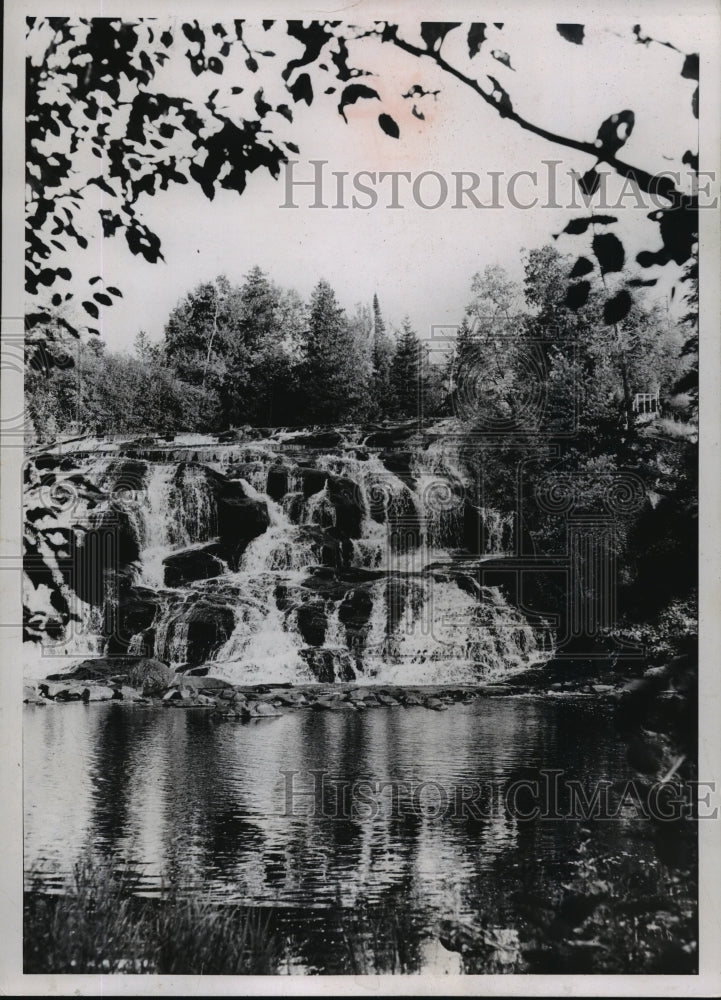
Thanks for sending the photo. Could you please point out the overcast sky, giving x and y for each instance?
(418, 261)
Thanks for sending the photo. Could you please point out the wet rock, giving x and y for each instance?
(71, 694)
(206, 624)
(100, 692)
(240, 520)
(345, 496)
(291, 698)
(125, 475)
(327, 705)
(205, 684)
(329, 665)
(263, 710)
(391, 436)
(400, 463)
(175, 694)
(31, 696)
(318, 439)
(354, 612)
(436, 704)
(312, 622)
(312, 480)
(278, 482)
(181, 568)
(387, 699)
(151, 676)
(124, 693)
(137, 609)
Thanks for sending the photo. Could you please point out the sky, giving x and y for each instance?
(420, 262)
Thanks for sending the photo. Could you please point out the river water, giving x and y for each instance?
(206, 805)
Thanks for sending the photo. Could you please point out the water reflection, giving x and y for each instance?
(203, 804)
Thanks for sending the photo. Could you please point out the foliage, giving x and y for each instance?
(99, 926)
(100, 122)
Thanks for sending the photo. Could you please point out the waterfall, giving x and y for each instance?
(156, 532)
(292, 562)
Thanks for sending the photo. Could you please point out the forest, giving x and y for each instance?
(257, 354)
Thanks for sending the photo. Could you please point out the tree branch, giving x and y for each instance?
(662, 186)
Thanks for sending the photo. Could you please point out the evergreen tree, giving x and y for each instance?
(381, 359)
(406, 372)
(330, 383)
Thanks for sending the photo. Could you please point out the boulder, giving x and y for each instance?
(137, 608)
(400, 463)
(436, 704)
(100, 692)
(313, 480)
(264, 710)
(181, 568)
(210, 624)
(201, 627)
(125, 475)
(278, 482)
(328, 705)
(214, 684)
(31, 696)
(240, 520)
(70, 693)
(104, 667)
(346, 498)
(312, 622)
(329, 665)
(387, 699)
(355, 611)
(151, 676)
(322, 438)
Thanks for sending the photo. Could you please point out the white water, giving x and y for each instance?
(423, 627)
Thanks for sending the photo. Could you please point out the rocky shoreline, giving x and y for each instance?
(146, 681)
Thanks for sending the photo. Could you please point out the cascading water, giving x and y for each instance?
(285, 562)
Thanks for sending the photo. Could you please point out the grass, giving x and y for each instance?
(605, 919)
(99, 926)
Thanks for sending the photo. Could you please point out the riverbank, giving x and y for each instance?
(602, 921)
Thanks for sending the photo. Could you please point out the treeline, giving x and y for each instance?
(232, 355)
(257, 354)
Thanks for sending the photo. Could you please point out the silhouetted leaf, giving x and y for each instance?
(571, 32)
(476, 38)
(577, 295)
(617, 308)
(576, 227)
(589, 182)
(115, 291)
(302, 89)
(353, 93)
(609, 252)
(502, 57)
(614, 132)
(91, 308)
(582, 266)
(389, 126)
(103, 298)
(433, 32)
(690, 67)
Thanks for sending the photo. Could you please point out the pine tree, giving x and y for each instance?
(406, 372)
(331, 383)
(381, 358)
